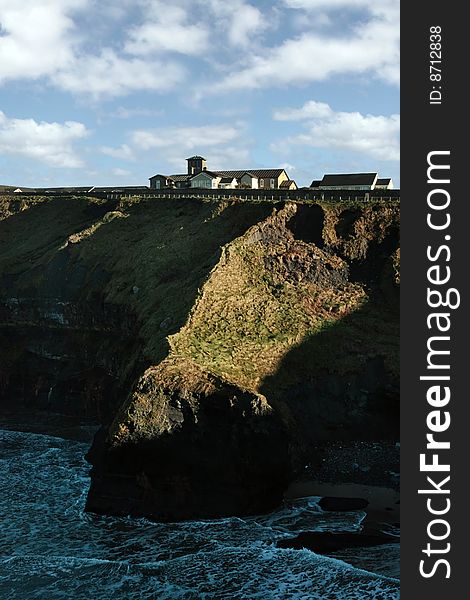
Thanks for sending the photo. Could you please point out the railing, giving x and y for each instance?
(250, 195)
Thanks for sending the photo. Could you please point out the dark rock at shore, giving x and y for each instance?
(338, 504)
(325, 543)
(190, 445)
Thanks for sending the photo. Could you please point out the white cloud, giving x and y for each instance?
(37, 38)
(388, 7)
(167, 29)
(124, 152)
(109, 75)
(41, 40)
(187, 138)
(310, 110)
(239, 19)
(246, 21)
(315, 58)
(371, 47)
(49, 143)
(224, 145)
(375, 136)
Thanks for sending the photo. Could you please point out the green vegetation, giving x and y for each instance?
(224, 285)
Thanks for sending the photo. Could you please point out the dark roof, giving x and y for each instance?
(210, 173)
(179, 177)
(176, 177)
(286, 183)
(196, 157)
(383, 181)
(226, 179)
(263, 173)
(345, 179)
(315, 183)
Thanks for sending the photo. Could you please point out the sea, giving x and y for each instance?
(50, 548)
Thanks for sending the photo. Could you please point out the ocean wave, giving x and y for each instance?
(52, 549)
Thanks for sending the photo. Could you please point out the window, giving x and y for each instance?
(271, 182)
(261, 182)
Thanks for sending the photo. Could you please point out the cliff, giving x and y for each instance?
(217, 342)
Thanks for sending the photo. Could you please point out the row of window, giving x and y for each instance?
(271, 183)
(208, 184)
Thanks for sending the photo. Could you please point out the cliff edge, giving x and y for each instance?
(218, 343)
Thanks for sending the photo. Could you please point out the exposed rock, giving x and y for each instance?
(216, 343)
(190, 445)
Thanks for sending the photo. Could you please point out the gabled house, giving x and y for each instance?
(270, 178)
(288, 184)
(158, 182)
(248, 180)
(205, 179)
(348, 181)
(385, 183)
(266, 178)
(228, 183)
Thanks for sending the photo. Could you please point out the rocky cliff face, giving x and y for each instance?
(217, 343)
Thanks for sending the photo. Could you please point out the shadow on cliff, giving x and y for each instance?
(342, 383)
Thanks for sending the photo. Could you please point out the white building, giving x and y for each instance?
(228, 183)
(385, 183)
(248, 180)
(205, 179)
(348, 181)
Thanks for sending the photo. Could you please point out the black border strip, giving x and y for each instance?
(426, 128)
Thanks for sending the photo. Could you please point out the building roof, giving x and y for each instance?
(175, 177)
(226, 179)
(260, 173)
(287, 183)
(383, 181)
(205, 172)
(315, 183)
(345, 179)
(179, 177)
(197, 157)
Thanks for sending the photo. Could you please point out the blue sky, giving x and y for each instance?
(111, 92)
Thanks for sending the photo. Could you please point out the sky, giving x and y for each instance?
(111, 92)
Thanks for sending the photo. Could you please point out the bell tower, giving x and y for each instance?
(196, 164)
